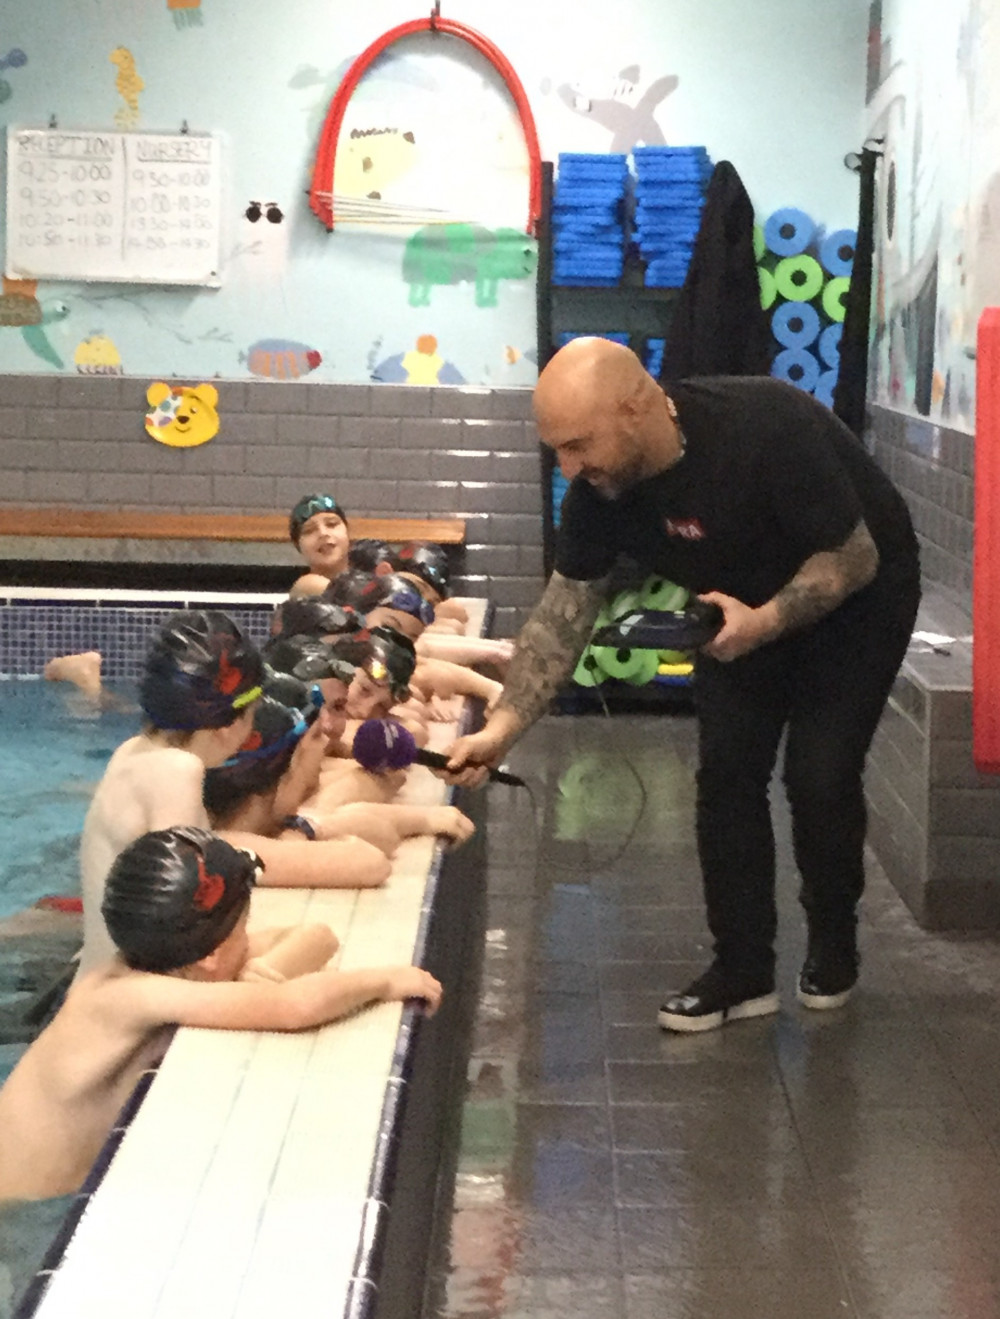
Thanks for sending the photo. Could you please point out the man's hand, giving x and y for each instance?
(744, 630)
(472, 756)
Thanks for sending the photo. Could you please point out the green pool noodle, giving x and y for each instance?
(796, 290)
(623, 663)
(647, 669)
(658, 593)
(588, 672)
(768, 288)
(833, 297)
(625, 602)
(759, 242)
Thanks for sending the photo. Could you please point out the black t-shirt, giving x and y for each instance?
(769, 477)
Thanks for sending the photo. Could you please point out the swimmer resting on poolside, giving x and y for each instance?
(200, 681)
(255, 800)
(176, 904)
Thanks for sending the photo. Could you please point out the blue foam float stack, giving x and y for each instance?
(805, 274)
(653, 361)
(670, 195)
(589, 218)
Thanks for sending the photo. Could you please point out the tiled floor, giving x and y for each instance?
(808, 1166)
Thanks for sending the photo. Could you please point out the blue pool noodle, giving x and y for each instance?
(824, 387)
(830, 252)
(802, 230)
(798, 366)
(790, 314)
(829, 345)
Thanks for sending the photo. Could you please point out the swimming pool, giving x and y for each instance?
(56, 744)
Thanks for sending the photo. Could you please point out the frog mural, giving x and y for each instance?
(466, 253)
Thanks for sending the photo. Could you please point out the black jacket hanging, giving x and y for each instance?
(852, 382)
(718, 326)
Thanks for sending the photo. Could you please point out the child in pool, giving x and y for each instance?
(200, 681)
(176, 903)
(363, 676)
(318, 529)
(256, 801)
(388, 600)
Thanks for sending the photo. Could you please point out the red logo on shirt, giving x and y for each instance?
(686, 528)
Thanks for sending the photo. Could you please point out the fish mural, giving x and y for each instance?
(19, 307)
(466, 253)
(280, 359)
(513, 355)
(97, 356)
(128, 85)
(14, 59)
(422, 365)
(183, 416)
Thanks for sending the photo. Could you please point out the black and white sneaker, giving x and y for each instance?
(827, 978)
(715, 998)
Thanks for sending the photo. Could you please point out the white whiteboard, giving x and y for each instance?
(144, 208)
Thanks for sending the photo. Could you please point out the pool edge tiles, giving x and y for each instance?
(120, 1207)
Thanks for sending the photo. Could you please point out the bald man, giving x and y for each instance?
(754, 496)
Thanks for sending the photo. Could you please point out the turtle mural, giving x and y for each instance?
(466, 253)
(20, 308)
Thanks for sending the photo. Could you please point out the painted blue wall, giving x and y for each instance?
(777, 86)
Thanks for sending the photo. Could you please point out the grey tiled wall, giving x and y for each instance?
(382, 449)
(933, 467)
(934, 822)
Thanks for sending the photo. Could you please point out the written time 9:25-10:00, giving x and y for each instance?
(74, 202)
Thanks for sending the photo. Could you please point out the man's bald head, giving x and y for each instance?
(604, 416)
(588, 376)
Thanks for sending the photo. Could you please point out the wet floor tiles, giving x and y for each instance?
(800, 1167)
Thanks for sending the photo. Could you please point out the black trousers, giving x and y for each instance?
(827, 687)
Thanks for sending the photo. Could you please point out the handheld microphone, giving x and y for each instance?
(384, 744)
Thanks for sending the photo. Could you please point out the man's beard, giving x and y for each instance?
(614, 484)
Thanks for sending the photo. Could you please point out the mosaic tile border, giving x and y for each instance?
(32, 632)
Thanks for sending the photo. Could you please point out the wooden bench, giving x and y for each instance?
(107, 524)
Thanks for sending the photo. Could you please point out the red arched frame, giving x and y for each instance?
(321, 200)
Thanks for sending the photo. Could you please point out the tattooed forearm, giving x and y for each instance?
(549, 645)
(826, 579)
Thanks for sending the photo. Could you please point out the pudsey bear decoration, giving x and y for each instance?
(182, 416)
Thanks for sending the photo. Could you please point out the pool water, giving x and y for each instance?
(55, 746)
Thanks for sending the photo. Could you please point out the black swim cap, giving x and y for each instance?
(347, 587)
(315, 616)
(200, 672)
(308, 658)
(173, 896)
(307, 507)
(366, 554)
(384, 654)
(263, 757)
(292, 691)
(424, 560)
(390, 591)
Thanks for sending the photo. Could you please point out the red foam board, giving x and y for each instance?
(986, 550)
